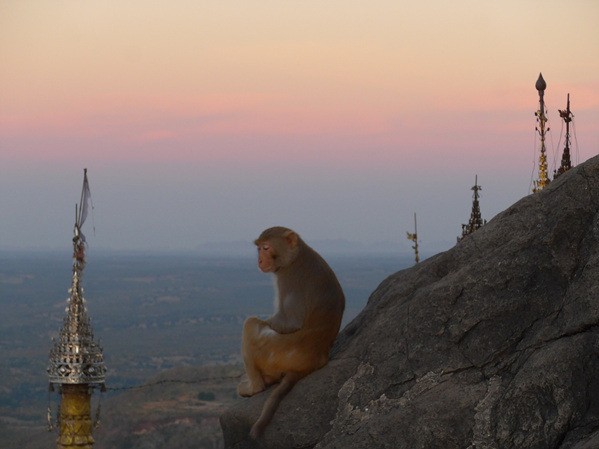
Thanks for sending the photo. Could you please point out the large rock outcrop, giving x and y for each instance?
(493, 344)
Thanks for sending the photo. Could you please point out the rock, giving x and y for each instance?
(493, 344)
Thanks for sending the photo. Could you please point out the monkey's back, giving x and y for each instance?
(323, 299)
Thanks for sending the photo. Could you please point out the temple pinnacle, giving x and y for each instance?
(541, 84)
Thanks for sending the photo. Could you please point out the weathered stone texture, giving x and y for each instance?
(493, 344)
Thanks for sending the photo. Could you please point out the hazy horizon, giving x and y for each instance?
(237, 249)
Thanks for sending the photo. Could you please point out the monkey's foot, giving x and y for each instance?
(246, 389)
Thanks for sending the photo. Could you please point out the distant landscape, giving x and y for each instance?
(174, 320)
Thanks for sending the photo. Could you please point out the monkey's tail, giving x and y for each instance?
(277, 395)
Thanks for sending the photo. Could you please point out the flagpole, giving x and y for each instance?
(78, 218)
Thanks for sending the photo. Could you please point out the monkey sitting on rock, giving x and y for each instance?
(297, 339)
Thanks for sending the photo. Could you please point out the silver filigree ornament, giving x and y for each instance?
(75, 357)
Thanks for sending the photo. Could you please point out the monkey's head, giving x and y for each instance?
(277, 248)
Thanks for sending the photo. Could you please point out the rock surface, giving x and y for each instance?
(493, 344)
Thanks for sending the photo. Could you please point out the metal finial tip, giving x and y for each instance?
(541, 84)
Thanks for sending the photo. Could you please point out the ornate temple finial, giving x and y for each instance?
(76, 361)
(414, 237)
(566, 163)
(475, 221)
(76, 358)
(543, 180)
(540, 85)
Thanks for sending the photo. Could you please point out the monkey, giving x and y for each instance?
(297, 338)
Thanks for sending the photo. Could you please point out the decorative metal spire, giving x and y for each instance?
(566, 164)
(543, 180)
(76, 358)
(414, 237)
(475, 221)
(76, 361)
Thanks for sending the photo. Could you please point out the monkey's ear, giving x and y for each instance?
(291, 239)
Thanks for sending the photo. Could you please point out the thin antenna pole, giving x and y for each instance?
(417, 257)
(415, 224)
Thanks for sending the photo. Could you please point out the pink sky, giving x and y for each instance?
(394, 105)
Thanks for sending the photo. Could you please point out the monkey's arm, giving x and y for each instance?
(283, 325)
(290, 310)
(289, 316)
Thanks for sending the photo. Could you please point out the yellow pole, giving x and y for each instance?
(75, 417)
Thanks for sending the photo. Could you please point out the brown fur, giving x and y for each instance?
(296, 340)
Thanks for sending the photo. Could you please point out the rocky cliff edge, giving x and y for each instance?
(493, 344)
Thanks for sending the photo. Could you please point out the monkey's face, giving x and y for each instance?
(266, 257)
(277, 251)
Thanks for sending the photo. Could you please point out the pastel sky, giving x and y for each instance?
(207, 121)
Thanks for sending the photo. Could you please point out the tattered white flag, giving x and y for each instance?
(86, 198)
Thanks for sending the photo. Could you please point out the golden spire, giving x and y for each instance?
(543, 180)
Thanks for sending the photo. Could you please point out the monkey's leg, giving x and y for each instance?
(252, 348)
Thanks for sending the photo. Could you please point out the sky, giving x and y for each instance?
(204, 122)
